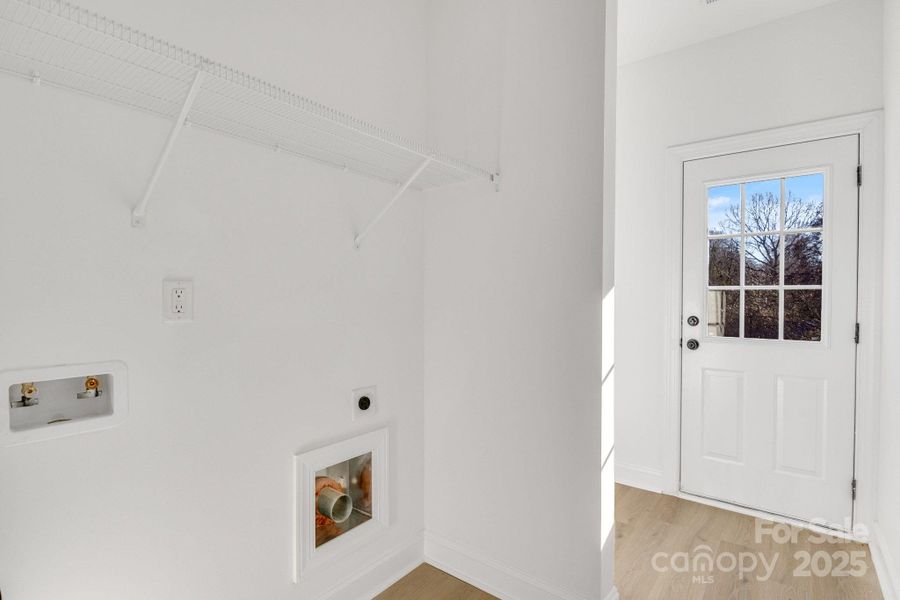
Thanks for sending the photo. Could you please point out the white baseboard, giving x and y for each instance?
(885, 566)
(381, 574)
(640, 477)
(504, 581)
(613, 594)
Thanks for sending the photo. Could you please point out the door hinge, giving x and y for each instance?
(858, 175)
(853, 489)
(856, 335)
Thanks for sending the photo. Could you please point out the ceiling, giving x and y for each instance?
(651, 27)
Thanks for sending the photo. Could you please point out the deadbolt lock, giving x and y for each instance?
(693, 321)
(693, 344)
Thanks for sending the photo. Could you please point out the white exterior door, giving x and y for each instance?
(769, 327)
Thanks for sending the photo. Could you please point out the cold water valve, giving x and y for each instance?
(91, 389)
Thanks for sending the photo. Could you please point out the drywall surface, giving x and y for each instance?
(817, 64)
(888, 533)
(652, 28)
(513, 292)
(191, 498)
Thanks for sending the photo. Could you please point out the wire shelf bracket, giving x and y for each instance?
(58, 44)
(357, 241)
(139, 214)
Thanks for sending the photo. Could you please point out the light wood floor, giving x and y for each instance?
(428, 583)
(648, 523)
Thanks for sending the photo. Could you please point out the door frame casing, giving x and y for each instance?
(869, 127)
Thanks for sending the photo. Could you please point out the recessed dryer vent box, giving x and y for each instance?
(340, 501)
(52, 402)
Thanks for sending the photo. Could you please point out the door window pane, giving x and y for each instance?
(803, 315)
(724, 209)
(765, 241)
(762, 211)
(761, 314)
(803, 259)
(762, 257)
(724, 310)
(804, 206)
(725, 261)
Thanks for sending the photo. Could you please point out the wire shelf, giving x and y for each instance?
(60, 44)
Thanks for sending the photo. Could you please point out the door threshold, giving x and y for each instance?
(843, 534)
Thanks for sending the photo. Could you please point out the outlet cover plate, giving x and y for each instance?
(371, 392)
(178, 301)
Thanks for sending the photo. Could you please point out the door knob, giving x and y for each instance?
(693, 344)
(693, 321)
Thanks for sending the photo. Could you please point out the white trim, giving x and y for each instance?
(613, 594)
(869, 127)
(640, 477)
(380, 574)
(885, 566)
(492, 576)
(308, 557)
(869, 309)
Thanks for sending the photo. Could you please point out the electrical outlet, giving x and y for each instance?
(178, 300)
(365, 402)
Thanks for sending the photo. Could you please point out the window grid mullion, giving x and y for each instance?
(781, 260)
(743, 228)
(725, 236)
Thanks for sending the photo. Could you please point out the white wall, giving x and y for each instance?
(888, 527)
(191, 498)
(813, 65)
(513, 291)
